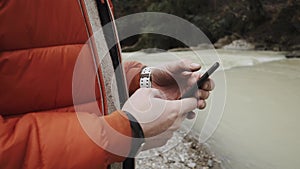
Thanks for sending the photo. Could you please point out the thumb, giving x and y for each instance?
(155, 93)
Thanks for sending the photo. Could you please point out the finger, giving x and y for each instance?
(194, 67)
(193, 78)
(186, 105)
(188, 68)
(202, 94)
(175, 67)
(191, 115)
(208, 85)
(187, 73)
(183, 65)
(201, 104)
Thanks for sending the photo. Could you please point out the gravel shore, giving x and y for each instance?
(180, 152)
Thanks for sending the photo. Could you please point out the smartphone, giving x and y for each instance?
(191, 92)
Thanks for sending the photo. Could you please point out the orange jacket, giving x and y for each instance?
(39, 44)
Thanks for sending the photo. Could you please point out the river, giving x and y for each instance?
(252, 117)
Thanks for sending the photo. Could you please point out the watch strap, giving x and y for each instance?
(145, 79)
(138, 137)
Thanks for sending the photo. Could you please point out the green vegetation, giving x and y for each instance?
(269, 24)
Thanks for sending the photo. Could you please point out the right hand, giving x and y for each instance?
(158, 117)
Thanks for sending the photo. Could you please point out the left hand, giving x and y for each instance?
(174, 79)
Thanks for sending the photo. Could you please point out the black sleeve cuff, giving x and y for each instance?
(137, 134)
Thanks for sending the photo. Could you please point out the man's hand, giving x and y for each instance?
(158, 117)
(174, 79)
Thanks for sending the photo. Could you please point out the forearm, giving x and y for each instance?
(62, 140)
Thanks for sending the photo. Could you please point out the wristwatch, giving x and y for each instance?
(145, 80)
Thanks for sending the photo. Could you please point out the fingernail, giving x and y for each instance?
(205, 86)
(191, 115)
(195, 65)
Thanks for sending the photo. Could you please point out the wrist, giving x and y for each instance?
(138, 138)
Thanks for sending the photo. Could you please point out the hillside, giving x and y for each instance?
(268, 24)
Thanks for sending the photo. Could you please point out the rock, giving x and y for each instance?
(294, 54)
(194, 145)
(276, 48)
(217, 161)
(153, 50)
(203, 46)
(181, 157)
(192, 165)
(240, 45)
(210, 163)
(171, 161)
(225, 41)
(261, 46)
(179, 49)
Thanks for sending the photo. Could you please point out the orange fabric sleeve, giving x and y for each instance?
(133, 74)
(58, 140)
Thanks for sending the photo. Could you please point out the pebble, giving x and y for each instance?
(186, 154)
(210, 163)
(181, 157)
(192, 165)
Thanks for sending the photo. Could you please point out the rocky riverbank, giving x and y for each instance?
(186, 153)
